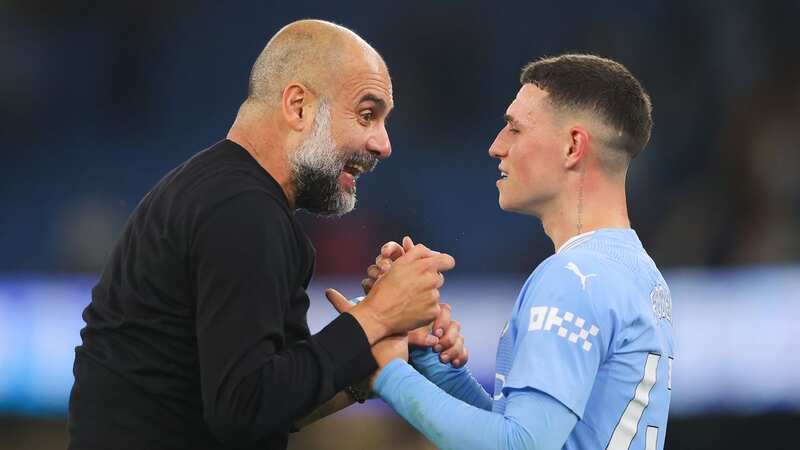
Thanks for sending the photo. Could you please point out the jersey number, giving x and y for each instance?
(629, 422)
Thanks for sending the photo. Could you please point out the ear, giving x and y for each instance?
(295, 104)
(578, 147)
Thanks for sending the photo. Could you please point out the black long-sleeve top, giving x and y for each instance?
(196, 335)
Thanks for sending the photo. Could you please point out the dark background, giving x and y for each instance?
(99, 99)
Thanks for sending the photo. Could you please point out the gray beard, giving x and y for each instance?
(315, 169)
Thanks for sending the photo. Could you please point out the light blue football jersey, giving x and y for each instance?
(592, 327)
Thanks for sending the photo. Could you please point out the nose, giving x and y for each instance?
(498, 149)
(379, 145)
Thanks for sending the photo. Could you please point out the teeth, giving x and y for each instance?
(356, 168)
(503, 175)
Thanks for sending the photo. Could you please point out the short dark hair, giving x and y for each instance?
(600, 85)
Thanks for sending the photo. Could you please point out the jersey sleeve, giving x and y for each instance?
(533, 420)
(562, 333)
(457, 382)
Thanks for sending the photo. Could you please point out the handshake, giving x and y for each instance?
(402, 306)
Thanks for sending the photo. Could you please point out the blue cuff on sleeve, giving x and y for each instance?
(533, 420)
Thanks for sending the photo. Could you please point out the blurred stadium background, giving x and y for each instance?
(100, 99)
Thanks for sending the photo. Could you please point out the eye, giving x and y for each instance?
(367, 116)
(511, 129)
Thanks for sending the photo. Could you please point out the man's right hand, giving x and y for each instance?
(406, 297)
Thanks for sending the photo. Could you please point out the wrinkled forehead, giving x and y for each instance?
(365, 77)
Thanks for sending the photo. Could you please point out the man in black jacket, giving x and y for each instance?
(196, 336)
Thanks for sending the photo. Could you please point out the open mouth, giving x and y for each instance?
(503, 174)
(354, 169)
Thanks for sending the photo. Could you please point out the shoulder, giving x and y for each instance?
(213, 176)
(577, 280)
(225, 171)
(222, 192)
(574, 272)
(222, 178)
(561, 297)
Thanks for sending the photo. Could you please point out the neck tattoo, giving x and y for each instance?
(579, 224)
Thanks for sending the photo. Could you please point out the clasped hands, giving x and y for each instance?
(402, 308)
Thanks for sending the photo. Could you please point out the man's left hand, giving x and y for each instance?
(444, 333)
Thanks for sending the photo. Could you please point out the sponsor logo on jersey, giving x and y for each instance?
(546, 318)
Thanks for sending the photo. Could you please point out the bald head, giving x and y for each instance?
(311, 52)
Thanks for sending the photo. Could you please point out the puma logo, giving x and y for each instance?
(571, 266)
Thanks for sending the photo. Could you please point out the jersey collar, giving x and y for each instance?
(575, 239)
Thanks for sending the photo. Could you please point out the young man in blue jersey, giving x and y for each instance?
(585, 361)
